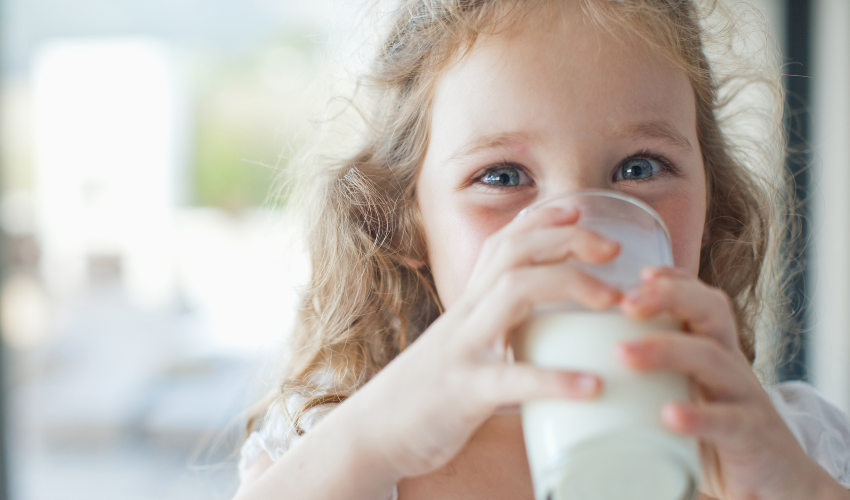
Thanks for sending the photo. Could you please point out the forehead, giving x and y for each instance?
(560, 68)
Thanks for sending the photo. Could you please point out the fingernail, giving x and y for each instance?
(587, 384)
(611, 246)
(629, 348)
(670, 415)
(633, 296)
(625, 350)
(568, 210)
(679, 417)
(648, 273)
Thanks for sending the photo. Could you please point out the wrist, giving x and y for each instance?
(330, 462)
(371, 459)
(364, 445)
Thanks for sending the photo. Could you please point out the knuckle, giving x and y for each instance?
(504, 283)
(511, 282)
(712, 353)
(491, 244)
(521, 380)
(725, 308)
(496, 382)
(723, 299)
(510, 291)
(451, 379)
(503, 250)
(483, 383)
(665, 286)
(463, 306)
(663, 349)
(509, 247)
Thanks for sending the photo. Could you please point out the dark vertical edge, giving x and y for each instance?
(797, 57)
(4, 389)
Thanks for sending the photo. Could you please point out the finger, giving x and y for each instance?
(721, 373)
(545, 216)
(732, 426)
(483, 272)
(649, 272)
(541, 246)
(550, 245)
(509, 303)
(503, 384)
(703, 309)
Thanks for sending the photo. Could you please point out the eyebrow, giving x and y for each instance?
(658, 129)
(655, 129)
(493, 141)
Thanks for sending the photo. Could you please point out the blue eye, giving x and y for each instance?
(503, 177)
(638, 169)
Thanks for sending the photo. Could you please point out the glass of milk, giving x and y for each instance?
(614, 447)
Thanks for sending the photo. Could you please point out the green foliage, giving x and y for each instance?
(230, 169)
(248, 112)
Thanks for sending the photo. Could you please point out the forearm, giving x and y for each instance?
(332, 461)
(830, 489)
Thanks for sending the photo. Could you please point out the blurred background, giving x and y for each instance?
(149, 274)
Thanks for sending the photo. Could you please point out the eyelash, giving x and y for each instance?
(478, 179)
(666, 166)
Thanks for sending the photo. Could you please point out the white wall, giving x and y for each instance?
(105, 129)
(829, 347)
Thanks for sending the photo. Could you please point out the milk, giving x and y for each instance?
(613, 447)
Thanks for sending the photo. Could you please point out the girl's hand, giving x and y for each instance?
(747, 450)
(421, 409)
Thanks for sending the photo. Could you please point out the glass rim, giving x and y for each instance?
(606, 194)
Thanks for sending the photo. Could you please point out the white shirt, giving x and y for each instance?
(822, 429)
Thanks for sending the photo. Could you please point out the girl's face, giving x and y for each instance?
(557, 105)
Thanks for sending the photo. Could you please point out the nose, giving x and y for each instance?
(571, 178)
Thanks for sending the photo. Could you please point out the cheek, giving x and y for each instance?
(456, 232)
(686, 222)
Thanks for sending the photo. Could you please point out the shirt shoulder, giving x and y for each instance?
(822, 429)
(277, 432)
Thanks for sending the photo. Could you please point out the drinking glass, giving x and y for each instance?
(614, 447)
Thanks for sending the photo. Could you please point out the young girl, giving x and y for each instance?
(401, 386)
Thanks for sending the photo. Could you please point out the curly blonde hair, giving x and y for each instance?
(367, 300)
